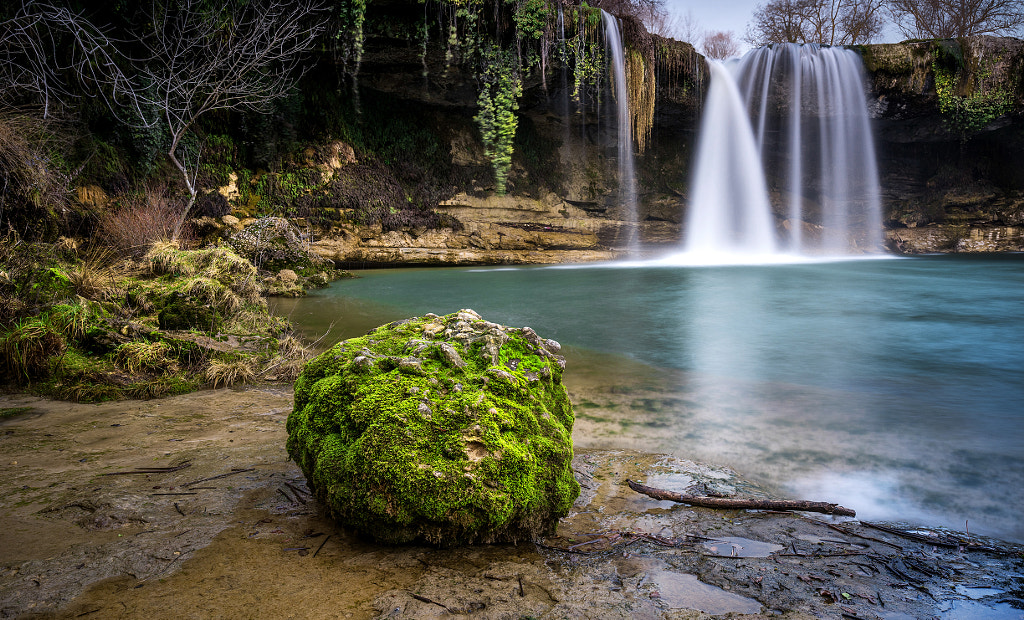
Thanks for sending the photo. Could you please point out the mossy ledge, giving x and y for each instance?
(445, 429)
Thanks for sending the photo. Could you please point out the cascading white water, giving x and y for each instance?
(627, 167)
(792, 118)
(729, 213)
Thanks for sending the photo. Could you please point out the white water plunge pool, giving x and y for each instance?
(894, 387)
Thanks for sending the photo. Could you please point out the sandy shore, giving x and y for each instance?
(188, 507)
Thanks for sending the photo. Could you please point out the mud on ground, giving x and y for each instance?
(188, 507)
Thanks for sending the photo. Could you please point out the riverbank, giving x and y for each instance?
(188, 507)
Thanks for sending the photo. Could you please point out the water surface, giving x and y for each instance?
(895, 387)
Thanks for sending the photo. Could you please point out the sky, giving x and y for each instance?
(716, 15)
(734, 15)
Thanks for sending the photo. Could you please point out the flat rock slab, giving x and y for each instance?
(249, 542)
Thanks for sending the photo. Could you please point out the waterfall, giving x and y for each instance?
(786, 124)
(627, 167)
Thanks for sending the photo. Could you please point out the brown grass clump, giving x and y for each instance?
(225, 373)
(27, 349)
(291, 358)
(99, 276)
(140, 221)
(152, 356)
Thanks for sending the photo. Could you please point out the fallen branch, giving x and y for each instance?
(230, 473)
(742, 504)
(150, 470)
(321, 545)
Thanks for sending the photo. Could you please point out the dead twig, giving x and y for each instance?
(741, 504)
(150, 470)
(849, 533)
(424, 599)
(230, 473)
(321, 545)
(297, 491)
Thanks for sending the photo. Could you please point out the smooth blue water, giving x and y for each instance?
(895, 387)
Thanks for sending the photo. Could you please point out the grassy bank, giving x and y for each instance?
(91, 325)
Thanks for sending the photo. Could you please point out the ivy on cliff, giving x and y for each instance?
(966, 100)
(500, 88)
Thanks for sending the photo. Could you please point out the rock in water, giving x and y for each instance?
(447, 429)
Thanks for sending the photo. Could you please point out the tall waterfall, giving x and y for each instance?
(786, 124)
(627, 167)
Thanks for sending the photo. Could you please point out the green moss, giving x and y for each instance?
(966, 105)
(405, 436)
(10, 412)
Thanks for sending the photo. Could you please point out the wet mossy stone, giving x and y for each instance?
(445, 429)
(273, 244)
(184, 312)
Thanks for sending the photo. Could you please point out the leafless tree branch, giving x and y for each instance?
(828, 22)
(45, 47)
(241, 57)
(720, 45)
(945, 19)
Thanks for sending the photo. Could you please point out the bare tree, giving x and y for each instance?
(243, 56)
(828, 22)
(778, 21)
(720, 45)
(55, 54)
(945, 19)
(659, 21)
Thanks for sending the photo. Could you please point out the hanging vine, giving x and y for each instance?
(500, 88)
(504, 42)
(640, 79)
(965, 98)
(348, 34)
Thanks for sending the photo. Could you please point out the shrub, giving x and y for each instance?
(139, 222)
(34, 181)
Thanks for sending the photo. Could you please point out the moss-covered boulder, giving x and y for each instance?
(272, 244)
(448, 429)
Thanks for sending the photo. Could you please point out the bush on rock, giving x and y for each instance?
(449, 429)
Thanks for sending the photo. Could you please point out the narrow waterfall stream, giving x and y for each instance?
(627, 166)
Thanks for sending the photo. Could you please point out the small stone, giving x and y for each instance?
(451, 356)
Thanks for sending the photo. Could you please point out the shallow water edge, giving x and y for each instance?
(220, 524)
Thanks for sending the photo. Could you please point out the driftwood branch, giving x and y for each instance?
(748, 504)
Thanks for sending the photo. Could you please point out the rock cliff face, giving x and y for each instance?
(950, 139)
(563, 202)
(949, 120)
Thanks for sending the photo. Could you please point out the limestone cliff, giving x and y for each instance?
(948, 119)
(950, 139)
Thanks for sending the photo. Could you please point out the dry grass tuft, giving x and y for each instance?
(225, 373)
(99, 276)
(27, 349)
(141, 355)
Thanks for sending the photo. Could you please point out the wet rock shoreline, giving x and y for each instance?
(235, 532)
